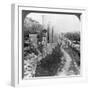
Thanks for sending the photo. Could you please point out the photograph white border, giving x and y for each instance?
(16, 54)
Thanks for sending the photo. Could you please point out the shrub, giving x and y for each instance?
(48, 66)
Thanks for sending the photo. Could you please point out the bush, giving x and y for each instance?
(49, 65)
(73, 36)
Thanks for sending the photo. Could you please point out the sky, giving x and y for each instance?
(60, 22)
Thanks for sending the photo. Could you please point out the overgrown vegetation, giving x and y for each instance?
(74, 48)
(49, 65)
(73, 36)
(47, 60)
(32, 26)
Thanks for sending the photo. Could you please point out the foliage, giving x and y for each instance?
(48, 66)
(73, 36)
(32, 26)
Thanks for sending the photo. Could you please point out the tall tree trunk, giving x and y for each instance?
(52, 34)
(48, 34)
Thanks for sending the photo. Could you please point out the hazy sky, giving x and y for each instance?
(60, 22)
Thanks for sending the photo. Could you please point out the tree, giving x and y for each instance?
(32, 26)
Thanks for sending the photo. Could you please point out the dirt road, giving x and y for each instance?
(67, 63)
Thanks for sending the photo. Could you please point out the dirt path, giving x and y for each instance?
(67, 63)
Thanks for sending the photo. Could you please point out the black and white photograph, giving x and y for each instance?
(51, 44)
